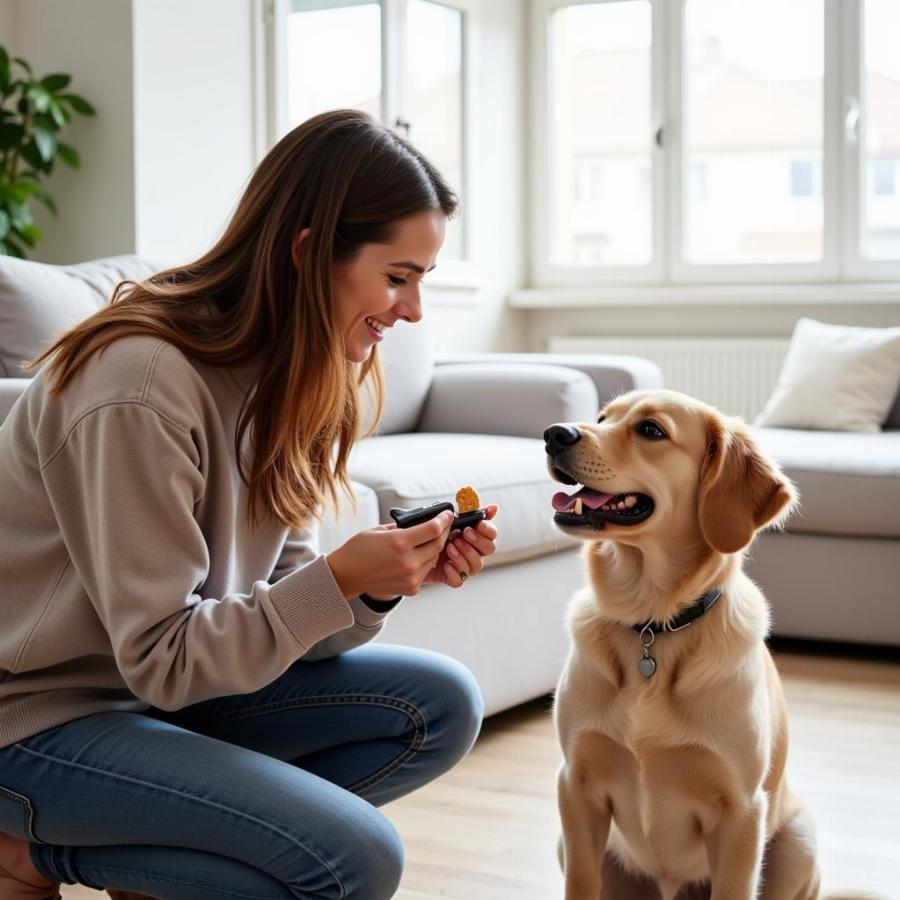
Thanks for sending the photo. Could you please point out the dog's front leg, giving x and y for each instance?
(585, 829)
(735, 848)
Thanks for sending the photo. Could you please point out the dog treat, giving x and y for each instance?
(467, 499)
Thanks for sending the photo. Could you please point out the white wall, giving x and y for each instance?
(7, 24)
(91, 40)
(479, 319)
(194, 121)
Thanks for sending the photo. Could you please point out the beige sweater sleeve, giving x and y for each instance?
(123, 485)
(299, 550)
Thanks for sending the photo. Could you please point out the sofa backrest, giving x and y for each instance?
(408, 364)
(39, 301)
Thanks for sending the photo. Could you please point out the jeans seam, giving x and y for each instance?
(200, 800)
(411, 710)
(27, 812)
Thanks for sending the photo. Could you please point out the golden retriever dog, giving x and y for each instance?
(669, 711)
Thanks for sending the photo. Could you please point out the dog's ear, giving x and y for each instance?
(741, 490)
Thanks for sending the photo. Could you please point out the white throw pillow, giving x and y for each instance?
(835, 377)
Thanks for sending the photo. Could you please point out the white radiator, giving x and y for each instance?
(736, 375)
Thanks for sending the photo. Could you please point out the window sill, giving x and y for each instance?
(878, 294)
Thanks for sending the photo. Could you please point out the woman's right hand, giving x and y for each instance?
(386, 560)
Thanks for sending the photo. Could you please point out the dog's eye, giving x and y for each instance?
(649, 429)
(600, 419)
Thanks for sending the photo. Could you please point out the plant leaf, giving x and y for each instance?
(39, 97)
(12, 249)
(68, 154)
(4, 71)
(47, 200)
(45, 143)
(4, 224)
(33, 158)
(31, 234)
(58, 112)
(11, 135)
(19, 192)
(79, 104)
(23, 64)
(45, 122)
(19, 215)
(56, 82)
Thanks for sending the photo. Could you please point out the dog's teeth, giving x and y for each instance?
(578, 506)
(630, 500)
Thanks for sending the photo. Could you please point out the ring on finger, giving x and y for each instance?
(464, 577)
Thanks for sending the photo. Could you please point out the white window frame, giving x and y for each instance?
(853, 121)
(842, 177)
(543, 271)
(273, 122)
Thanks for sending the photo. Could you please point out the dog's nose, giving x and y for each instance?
(560, 437)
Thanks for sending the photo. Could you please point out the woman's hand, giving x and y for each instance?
(385, 561)
(464, 553)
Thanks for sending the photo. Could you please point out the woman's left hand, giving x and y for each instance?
(464, 553)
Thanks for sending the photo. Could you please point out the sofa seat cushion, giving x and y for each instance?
(849, 482)
(334, 530)
(411, 470)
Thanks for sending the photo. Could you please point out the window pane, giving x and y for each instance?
(334, 59)
(881, 91)
(754, 89)
(434, 97)
(600, 127)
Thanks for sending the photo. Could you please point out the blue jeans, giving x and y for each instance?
(270, 795)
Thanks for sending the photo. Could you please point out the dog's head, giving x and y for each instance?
(662, 463)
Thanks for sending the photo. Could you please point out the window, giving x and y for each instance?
(806, 178)
(600, 61)
(883, 177)
(753, 98)
(402, 61)
(880, 233)
(739, 141)
(699, 180)
(334, 59)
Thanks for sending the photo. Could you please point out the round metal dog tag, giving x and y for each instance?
(647, 666)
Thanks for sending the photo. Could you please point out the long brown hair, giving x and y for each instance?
(348, 179)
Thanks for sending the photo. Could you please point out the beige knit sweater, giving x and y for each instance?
(128, 575)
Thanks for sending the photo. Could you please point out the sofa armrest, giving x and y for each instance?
(611, 375)
(511, 399)
(10, 391)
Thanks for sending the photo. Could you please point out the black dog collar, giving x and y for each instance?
(683, 619)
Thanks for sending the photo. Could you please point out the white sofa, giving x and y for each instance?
(473, 419)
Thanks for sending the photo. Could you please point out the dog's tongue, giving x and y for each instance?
(590, 498)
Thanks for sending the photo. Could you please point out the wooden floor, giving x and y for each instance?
(487, 830)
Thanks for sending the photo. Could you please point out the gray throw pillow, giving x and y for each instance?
(39, 301)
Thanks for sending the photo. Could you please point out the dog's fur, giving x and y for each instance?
(676, 782)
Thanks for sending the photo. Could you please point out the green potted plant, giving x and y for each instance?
(32, 112)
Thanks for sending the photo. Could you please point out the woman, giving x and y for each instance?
(178, 715)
